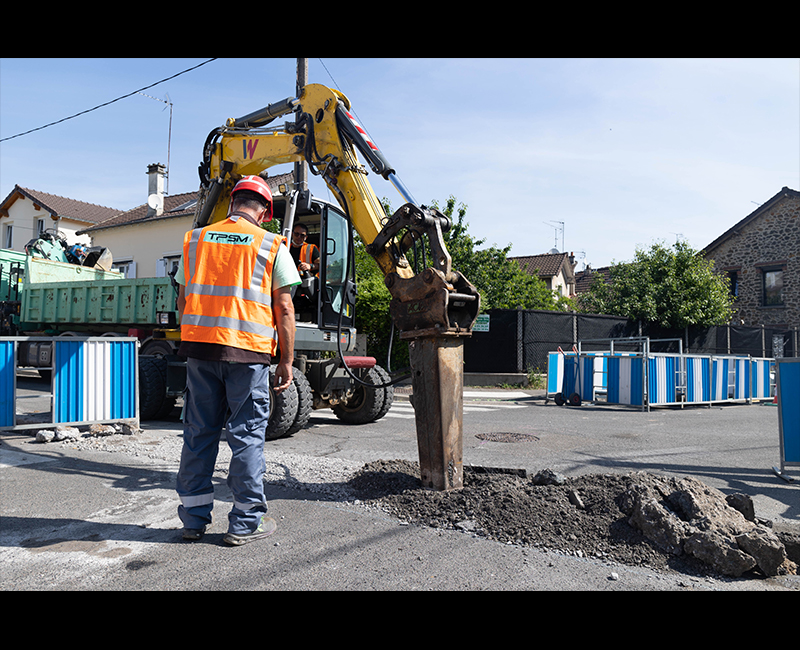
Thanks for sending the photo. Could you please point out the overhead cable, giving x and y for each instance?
(106, 103)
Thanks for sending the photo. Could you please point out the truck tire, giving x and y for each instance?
(282, 409)
(152, 387)
(157, 348)
(366, 403)
(305, 402)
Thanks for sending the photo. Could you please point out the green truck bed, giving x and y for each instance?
(63, 295)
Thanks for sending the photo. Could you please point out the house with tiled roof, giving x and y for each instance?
(147, 241)
(557, 270)
(585, 278)
(26, 213)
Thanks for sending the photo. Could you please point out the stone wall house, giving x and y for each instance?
(761, 257)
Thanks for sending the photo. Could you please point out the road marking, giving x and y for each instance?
(10, 458)
(505, 395)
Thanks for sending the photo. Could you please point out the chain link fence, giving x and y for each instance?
(519, 340)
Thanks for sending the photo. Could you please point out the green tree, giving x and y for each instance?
(501, 282)
(671, 287)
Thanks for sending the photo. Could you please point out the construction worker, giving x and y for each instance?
(305, 255)
(235, 305)
(306, 258)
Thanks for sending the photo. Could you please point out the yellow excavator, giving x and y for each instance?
(432, 305)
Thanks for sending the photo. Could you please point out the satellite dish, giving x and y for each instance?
(153, 201)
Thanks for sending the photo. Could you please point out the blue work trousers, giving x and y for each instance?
(215, 388)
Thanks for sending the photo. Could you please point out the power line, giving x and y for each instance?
(106, 103)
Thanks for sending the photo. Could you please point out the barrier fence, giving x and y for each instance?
(519, 341)
(646, 379)
(788, 387)
(93, 380)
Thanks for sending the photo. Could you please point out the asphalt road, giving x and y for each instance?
(73, 518)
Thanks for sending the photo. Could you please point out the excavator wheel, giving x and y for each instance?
(282, 409)
(388, 397)
(366, 404)
(305, 402)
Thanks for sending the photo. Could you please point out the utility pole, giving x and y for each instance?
(300, 170)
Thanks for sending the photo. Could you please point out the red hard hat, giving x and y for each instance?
(255, 184)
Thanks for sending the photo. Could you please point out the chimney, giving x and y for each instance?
(156, 174)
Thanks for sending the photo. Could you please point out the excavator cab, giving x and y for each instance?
(322, 299)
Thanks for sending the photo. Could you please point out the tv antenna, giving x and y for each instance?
(558, 228)
(169, 138)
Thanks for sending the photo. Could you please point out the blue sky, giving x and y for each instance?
(623, 152)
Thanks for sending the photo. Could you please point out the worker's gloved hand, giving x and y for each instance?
(283, 376)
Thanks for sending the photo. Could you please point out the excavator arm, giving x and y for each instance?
(433, 309)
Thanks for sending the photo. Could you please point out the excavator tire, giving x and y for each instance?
(388, 398)
(282, 409)
(305, 402)
(366, 403)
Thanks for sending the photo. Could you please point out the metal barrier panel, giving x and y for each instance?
(761, 378)
(741, 386)
(719, 379)
(8, 366)
(555, 372)
(698, 384)
(94, 380)
(788, 392)
(626, 380)
(663, 379)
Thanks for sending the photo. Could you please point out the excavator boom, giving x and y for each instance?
(433, 309)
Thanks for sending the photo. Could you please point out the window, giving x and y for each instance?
(733, 283)
(126, 267)
(167, 265)
(39, 227)
(773, 287)
(8, 237)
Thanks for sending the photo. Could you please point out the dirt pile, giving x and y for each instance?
(633, 519)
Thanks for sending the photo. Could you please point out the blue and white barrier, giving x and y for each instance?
(761, 378)
(664, 379)
(625, 380)
(657, 379)
(787, 373)
(94, 380)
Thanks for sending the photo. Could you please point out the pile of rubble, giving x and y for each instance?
(685, 516)
(634, 519)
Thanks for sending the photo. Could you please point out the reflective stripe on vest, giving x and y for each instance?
(228, 285)
(307, 253)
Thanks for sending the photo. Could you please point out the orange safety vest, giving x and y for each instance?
(228, 268)
(307, 254)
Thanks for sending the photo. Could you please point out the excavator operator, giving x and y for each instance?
(305, 255)
(306, 258)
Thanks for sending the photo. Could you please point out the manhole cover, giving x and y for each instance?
(507, 437)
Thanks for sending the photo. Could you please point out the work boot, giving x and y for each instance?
(265, 529)
(193, 534)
